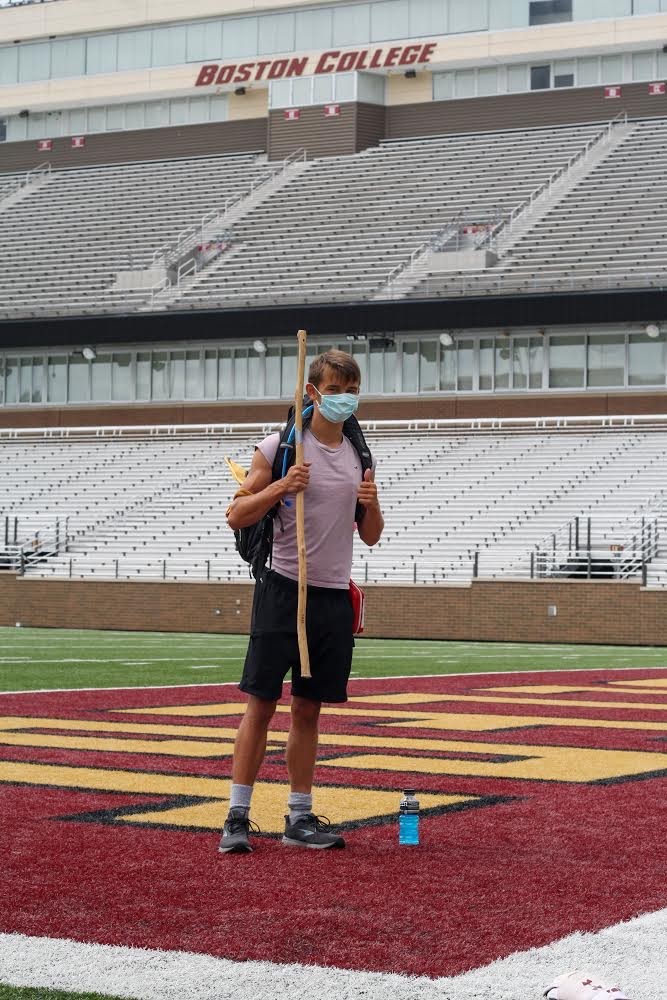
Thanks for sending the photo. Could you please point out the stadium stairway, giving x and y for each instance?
(153, 507)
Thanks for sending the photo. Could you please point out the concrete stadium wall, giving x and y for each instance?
(603, 612)
(410, 408)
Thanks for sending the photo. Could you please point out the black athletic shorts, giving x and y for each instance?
(274, 650)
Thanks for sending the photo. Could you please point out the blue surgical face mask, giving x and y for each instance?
(339, 407)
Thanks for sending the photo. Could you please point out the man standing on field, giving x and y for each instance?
(331, 479)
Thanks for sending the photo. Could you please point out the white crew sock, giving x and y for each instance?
(240, 796)
(299, 803)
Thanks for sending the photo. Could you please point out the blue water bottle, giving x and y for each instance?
(408, 818)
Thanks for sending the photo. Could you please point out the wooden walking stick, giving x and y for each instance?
(300, 525)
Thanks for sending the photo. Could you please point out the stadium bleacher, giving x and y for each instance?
(460, 498)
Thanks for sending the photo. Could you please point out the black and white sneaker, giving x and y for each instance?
(235, 832)
(310, 831)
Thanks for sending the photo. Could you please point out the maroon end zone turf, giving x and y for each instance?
(527, 861)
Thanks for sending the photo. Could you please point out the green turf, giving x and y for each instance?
(37, 993)
(33, 659)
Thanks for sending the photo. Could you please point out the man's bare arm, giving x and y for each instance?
(259, 494)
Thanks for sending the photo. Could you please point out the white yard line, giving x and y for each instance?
(390, 677)
(629, 954)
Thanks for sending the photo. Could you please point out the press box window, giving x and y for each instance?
(3, 130)
(540, 77)
(549, 11)
(564, 80)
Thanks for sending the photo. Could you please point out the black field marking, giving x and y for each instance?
(624, 779)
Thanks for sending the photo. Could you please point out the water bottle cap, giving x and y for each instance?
(409, 791)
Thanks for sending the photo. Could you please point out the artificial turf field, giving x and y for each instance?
(543, 822)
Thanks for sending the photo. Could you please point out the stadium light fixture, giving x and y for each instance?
(653, 331)
(446, 339)
(89, 353)
(410, 74)
(259, 346)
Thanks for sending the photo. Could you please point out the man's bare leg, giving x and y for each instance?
(302, 744)
(250, 744)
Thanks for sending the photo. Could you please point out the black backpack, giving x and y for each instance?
(255, 543)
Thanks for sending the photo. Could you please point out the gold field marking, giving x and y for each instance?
(172, 748)
(414, 699)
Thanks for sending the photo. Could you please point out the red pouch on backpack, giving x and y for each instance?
(358, 601)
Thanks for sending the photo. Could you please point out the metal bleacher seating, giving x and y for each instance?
(610, 231)
(152, 506)
(64, 244)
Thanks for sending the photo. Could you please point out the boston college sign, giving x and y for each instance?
(333, 61)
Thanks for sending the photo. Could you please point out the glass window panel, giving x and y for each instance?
(143, 375)
(536, 362)
(646, 361)
(135, 116)
(345, 86)
(301, 91)
(540, 77)
(134, 49)
(37, 379)
(121, 376)
(375, 369)
(54, 123)
(101, 377)
(662, 60)
(276, 33)
(288, 371)
(502, 365)
(198, 109)
(2, 381)
(517, 78)
(359, 352)
(169, 45)
(193, 375)
(115, 117)
(611, 69)
(564, 80)
(351, 24)
(34, 62)
(177, 375)
(226, 374)
(468, 15)
(427, 17)
(3, 129)
(390, 367)
(239, 37)
(9, 64)
(370, 87)
(203, 41)
(159, 375)
(68, 57)
(464, 361)
(606, 360)
(389, 20)
(448, 368)
(12, 380)
(25, 380)
(241, 373)
(591, 9)
(520, 363)
(588, 71)
(507, 14)
(255, 385)
(210, 374)
(643, 65)
(428, 366)
(97, 119)
(102, 54)
(178, 111)
(78, 379)
(410, 366)
(567, 358)
(313, 29)
(487, 81)
(443, 86)
(77, 122)
(157, 113)
(485, 365)
(272, 371)
(57, 379)
(646, 6)
(280, 94)
(549, 11)
(464, 83)
(218, 108)
(17, 129)
(322, 89)
(37, 127)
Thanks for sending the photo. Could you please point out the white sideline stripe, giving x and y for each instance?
(391, 677)
(629, 954)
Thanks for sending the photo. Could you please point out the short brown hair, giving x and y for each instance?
(342, 363)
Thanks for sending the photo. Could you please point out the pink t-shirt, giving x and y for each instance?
(329, 505)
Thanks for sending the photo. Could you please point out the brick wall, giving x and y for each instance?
(604, 612)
